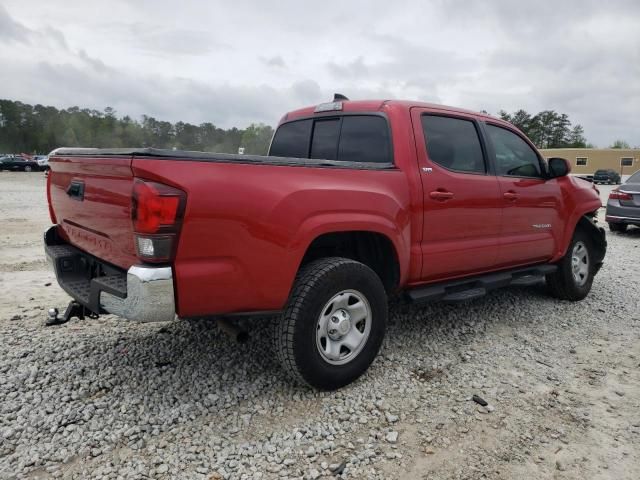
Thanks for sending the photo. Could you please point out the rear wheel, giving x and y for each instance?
(618, 227)
(574, 277)
(28, 168)
(334, 323)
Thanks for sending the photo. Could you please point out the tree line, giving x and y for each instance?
(548, 129)
(39, 129)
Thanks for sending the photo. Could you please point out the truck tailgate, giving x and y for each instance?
(91, 200)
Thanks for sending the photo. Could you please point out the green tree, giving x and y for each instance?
(576, 138)
(619, 144)
(547, 129)
(256, 138)
(40, 129)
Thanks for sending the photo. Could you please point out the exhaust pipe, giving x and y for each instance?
(233, 330)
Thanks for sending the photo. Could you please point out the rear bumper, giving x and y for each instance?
(617, 213)
(142, 293)
(617, 219)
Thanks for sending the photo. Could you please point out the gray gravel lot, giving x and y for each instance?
(110, 399)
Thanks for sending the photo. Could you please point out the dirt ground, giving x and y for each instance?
(562, 380)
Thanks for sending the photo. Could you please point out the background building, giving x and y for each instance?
(625, 161)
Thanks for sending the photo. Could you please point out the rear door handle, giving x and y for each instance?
(510, 196)
(440, 195)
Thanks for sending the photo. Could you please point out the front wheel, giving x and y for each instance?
(334, 323)
(28, 168)
(574, 277)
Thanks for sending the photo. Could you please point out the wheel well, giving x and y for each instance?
(373, 249)
(587, 224)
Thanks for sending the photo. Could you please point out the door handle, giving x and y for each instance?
(440, 195)
(513, 196)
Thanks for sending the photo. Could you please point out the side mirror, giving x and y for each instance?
(558, 167)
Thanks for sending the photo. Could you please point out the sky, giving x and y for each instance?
(235, 63)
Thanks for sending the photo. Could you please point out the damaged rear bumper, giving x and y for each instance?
(142, 293)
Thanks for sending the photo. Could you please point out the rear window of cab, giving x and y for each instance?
(348, 138)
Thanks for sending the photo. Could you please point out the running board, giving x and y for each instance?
(475, 287)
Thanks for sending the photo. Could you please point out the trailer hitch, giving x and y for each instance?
(74, 309)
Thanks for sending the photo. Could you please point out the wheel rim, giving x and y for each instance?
(580, 263)
(27, 169)
(343, 327)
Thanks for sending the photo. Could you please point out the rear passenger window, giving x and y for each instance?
(364, 139)
(325, 139)
(514, 156)
(292, 140)
(453, 143)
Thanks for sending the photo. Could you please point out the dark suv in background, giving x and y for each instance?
(606, 176)
(623, 206)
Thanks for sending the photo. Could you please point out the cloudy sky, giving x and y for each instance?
(237, 62)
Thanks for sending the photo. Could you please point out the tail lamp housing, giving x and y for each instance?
(620, 195)
(156, 212)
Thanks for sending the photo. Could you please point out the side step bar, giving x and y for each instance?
(470, 288)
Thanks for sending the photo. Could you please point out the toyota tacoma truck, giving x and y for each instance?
(357, 201)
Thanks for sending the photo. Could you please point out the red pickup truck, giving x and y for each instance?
(357, 201)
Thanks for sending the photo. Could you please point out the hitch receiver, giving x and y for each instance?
(74, 309)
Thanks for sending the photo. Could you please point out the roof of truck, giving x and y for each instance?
(377, 105)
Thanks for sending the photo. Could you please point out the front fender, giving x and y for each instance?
(581, 203)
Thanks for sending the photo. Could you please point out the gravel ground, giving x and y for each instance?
(110, 399)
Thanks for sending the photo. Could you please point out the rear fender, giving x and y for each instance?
(325, 223)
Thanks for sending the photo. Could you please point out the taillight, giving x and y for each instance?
(156, 212)
(619, 195)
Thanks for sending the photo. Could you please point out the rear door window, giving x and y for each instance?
(453, 143)
(292, 140)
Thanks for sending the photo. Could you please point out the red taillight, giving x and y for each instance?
(156, 212)
(618, 195)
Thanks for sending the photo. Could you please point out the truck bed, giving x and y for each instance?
(193, 156)
(248, 219)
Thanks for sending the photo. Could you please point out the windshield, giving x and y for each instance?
(635, 178)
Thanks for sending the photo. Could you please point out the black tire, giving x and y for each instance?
(562, 284)
(295, 333)
(28, 168)
(618, 227)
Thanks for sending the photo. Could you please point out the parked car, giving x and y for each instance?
(588, 178)
(606, 176)
(18, 164)
(42, 161)
(358, 201)
(623, 205)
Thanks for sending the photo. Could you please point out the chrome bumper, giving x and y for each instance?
(142, 293)
(149, 297)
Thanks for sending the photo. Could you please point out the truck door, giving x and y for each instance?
(531, 219)
(462, 202)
